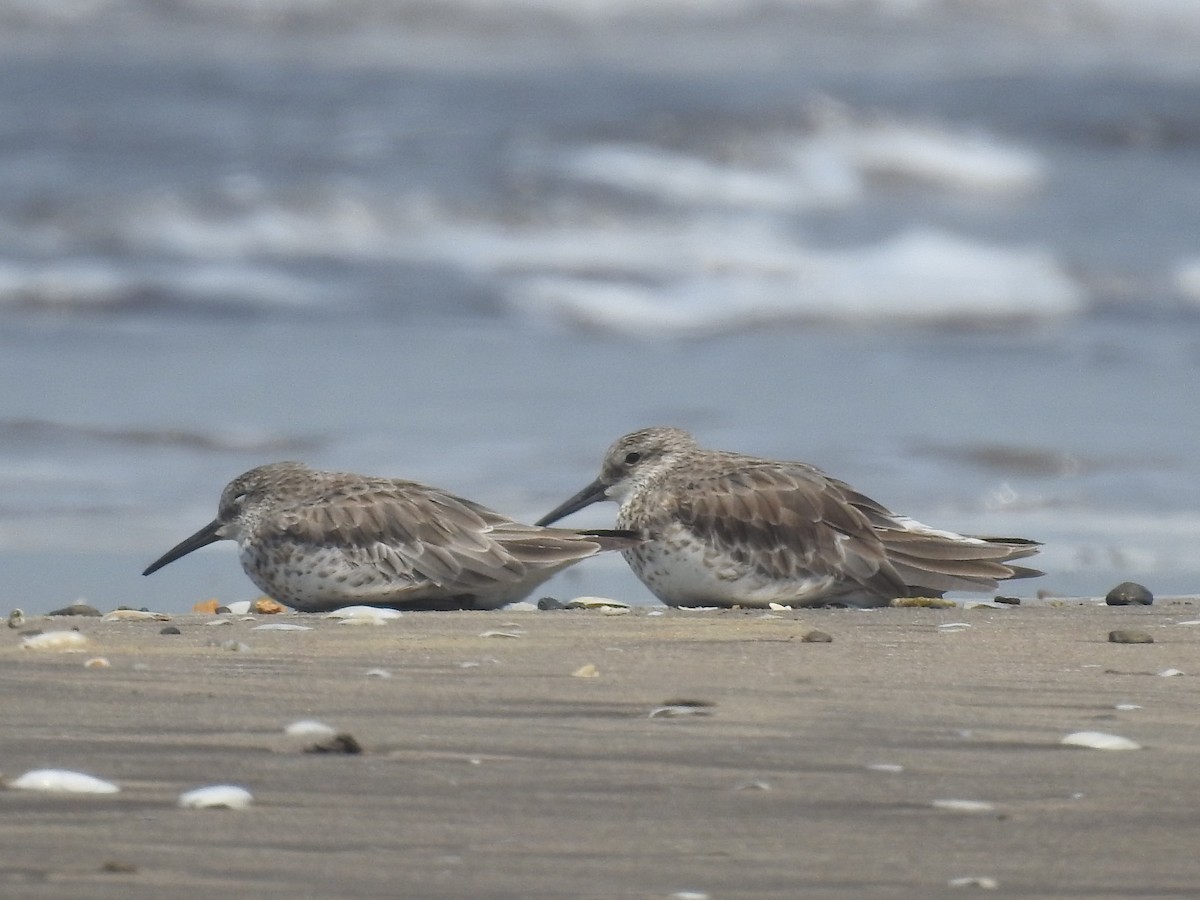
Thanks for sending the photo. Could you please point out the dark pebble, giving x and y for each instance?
(339, 743)
(76, 609)
(1129, 636)
(1129, 593)
(817, 637)
(118, 865)
(1011, 601)
(551, 603)
(170, 629)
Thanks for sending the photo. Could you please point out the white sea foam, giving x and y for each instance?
(918, 276)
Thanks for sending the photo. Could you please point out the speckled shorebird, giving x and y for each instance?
(321, 540)
(725, 529)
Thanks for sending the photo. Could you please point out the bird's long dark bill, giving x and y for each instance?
(202, 538)
(593, 493)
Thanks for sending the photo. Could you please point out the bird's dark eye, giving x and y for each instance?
(631, 458)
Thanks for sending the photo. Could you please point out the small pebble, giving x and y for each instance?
(118, 866)
(546, 603)
(1099, 740)
(217, 796)
(62, 781)
(1009, 601)
(586, 671)
(1129, 636)
(964, 806)
(76, 609)
(817, 637)
(1129, 593)
(170, 629)
(337, 743)
(265, 606)
(982, 882)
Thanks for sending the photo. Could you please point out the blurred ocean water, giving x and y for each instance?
(947, 251)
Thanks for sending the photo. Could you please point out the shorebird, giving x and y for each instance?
(318, 540)
(724, 529)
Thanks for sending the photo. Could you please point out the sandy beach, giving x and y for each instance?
(492, 767)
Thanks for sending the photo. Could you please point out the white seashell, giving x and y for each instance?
(696, 608)
(1126, 707)
(595, 603)
(1170, 673)
(885, 767)
(281, 626)
(60, 641)
(984, 604)
(306, 727)
(779, 607)
(470, 664)
(964, 806)
(219, 622)
(656, 612)
(217, 796)
(976, 881)
(1188, 622)
(238, 607)
(522, 606)
(363, 612)
(954, 626)
(689, 895)
(97, 662)
(62, 781)
(752, 784)
(378, 673)
(1099, 740)
(500, 634)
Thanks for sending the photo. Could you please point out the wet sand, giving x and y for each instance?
(489, 770)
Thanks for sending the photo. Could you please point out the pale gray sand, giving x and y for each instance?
(513, 779)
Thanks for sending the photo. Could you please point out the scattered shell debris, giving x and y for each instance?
(752, 784)
(951, 627)
(309, 728)
(1099, 740)
(216, 796)
(983, 882)
(97, 662)
(964, 806)
(281, 626)
(677, 708)
(586, 671)
(56, 641)
(923, 603)
(63, 781)
(595, 603)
